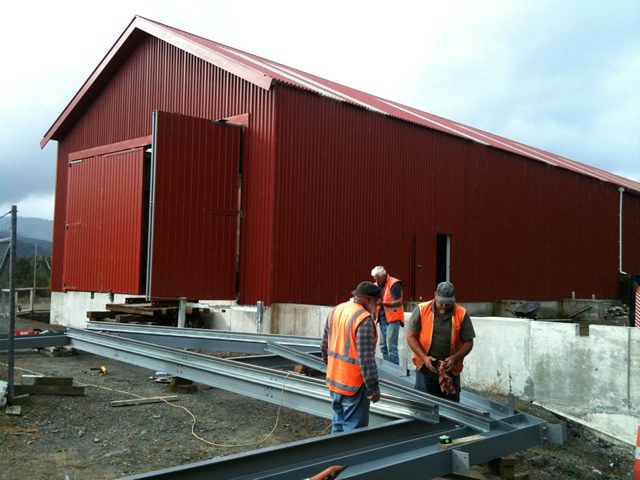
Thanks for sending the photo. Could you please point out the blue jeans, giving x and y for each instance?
(429, 382)
(350, 412)
(389, 340)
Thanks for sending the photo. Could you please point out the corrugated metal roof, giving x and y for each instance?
(262, 72)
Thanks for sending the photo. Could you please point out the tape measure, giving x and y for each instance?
(445, 440)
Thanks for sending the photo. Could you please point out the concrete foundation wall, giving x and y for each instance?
(593, 378)
(70, 308)
(238, 318)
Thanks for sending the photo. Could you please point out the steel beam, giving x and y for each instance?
(370, 453)
(41, 340)
(302, 458)
(384, 450)
(287, 389)
(452, 410)
(293, 348)
(205, 339)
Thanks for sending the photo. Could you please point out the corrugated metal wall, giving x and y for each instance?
(104, 223)
(158, 76)
(356, 189)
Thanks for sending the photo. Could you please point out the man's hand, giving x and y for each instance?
(428, 362)
(448, 364)
(328, 473)
(374, 398)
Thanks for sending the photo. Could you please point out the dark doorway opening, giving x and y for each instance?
(443, 258)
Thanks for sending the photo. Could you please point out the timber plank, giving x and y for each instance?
(142, 401)
(136, 309)
(98, 315)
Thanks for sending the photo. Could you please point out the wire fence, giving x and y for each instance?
(21, 291)
(8, 263)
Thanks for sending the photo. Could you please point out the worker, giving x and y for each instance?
(348, 349)
(390, 313)
(440, 334)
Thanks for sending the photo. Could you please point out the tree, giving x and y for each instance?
(24, 273)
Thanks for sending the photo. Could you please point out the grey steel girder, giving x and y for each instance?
(383, 450)
(291, 347)
(288, 389)
(395, 450)
(41, 340)
(205, 339)
(452, 410)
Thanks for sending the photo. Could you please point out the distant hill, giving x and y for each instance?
(37, 228)
(31, 232)
(26, 246)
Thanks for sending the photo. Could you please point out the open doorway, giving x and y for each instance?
(443, 258)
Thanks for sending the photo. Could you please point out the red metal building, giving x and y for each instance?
(189, 168)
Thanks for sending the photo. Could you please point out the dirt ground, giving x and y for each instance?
(83, 437)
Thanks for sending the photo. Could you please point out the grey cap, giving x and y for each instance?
(446, 293)
(367, 289)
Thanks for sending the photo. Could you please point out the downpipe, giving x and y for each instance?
(621, 190)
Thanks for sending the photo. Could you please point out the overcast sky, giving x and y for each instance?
(563, 76)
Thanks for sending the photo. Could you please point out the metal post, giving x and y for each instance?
(260, 309)
(182, 314)
(35, 266)
(152, 202)
(621, 190)
(12, 301)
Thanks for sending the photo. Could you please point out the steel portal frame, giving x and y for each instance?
(406, 425)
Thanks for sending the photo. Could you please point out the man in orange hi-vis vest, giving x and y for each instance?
(390, 313)
(440, 334)
(348, 349)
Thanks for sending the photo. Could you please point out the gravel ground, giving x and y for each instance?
(83, 437)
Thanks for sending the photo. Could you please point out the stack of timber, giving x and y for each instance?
(141, 311)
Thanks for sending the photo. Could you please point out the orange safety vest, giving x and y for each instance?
(426, 332)
(343, 367)
(392, 314)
